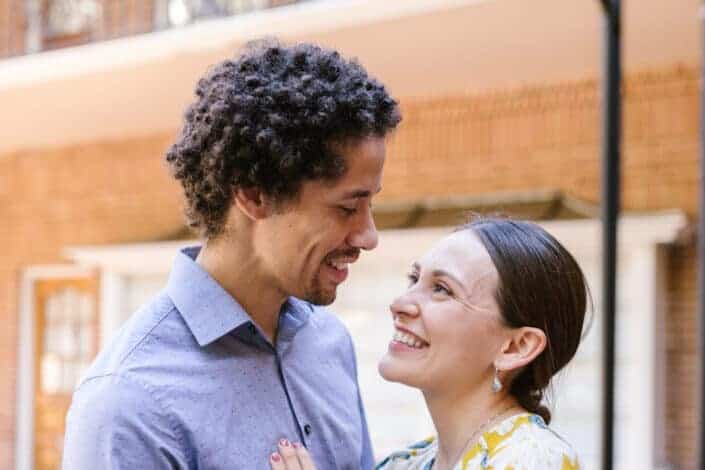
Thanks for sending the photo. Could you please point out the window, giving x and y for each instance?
(68, 339)
(181, 12)
(64, 311)
(69, 17)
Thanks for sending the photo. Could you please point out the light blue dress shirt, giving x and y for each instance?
(190, 382)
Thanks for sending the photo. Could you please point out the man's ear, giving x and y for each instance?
(522, 347)
(253, 203)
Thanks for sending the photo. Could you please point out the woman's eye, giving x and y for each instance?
(413, 279)
(440, 288)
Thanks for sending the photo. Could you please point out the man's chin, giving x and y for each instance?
(321, 297)
(322, 300)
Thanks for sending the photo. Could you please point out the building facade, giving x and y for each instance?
(91, 217)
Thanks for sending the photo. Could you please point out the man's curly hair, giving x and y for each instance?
(267, 120)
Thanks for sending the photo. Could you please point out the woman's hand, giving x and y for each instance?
(291, 457)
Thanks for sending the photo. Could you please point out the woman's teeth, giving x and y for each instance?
(407, 339)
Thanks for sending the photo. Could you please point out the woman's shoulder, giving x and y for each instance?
(526, 442)
(415, 456)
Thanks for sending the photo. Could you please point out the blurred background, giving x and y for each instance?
(501, 104)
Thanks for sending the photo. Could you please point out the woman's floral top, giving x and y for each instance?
(520, 442)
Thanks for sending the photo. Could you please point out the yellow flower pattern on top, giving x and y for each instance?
(570, 465)
(520, 442)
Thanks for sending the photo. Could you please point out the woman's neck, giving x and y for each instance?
(461, 418)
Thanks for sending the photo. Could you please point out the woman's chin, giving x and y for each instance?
(392, 371)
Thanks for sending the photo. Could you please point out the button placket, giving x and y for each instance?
(302, 433)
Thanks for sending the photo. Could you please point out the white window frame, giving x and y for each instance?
(24, 442)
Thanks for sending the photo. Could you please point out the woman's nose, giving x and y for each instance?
(405, 305)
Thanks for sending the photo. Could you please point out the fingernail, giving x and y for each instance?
(284, 443)
(275, 457)
(296, 445)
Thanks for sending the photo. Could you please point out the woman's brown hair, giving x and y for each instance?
(540, 285)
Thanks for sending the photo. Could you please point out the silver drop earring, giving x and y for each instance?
(496, 383)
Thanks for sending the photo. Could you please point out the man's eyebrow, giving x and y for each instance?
(359, 193)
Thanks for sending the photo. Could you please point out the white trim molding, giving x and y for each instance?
(116, 264)
(128, 259)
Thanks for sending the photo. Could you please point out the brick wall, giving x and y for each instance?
(548, 137)
(538, 137)
(682, 358)
(9, 289)
(12, 27)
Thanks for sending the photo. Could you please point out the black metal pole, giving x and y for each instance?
(611, 138)
(701, 263)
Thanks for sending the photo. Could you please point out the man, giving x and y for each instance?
(279, 158)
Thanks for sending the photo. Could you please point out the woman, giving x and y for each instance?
(492, 312)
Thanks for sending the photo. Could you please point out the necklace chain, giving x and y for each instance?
(476, 432)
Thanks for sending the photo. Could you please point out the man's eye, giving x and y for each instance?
(348, 210)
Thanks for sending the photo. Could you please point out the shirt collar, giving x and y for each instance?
(293, 315)
(210, 312)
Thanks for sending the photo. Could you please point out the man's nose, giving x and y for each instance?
(365, 235)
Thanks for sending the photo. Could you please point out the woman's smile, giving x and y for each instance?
(404, 341)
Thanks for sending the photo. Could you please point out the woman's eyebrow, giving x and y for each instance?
(442, 273)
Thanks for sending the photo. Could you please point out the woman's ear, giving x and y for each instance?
(522, 347)
(253, 203)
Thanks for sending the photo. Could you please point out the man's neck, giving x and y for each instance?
(237, 271)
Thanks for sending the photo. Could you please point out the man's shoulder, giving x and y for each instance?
(120, 410)
(152, 329)
(113, 392)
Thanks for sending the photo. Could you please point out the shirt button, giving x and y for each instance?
(307, 429)
(252, 328)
